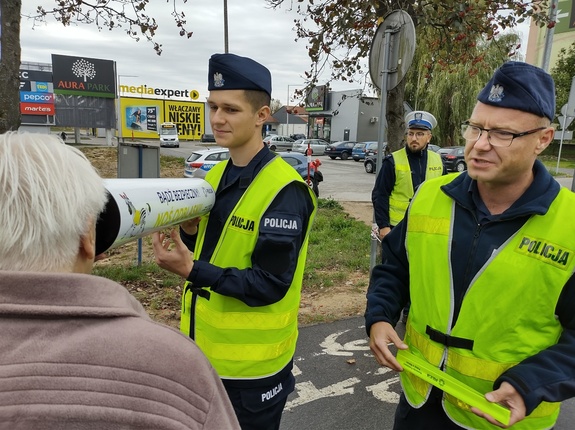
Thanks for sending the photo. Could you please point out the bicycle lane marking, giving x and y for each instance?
(332, 345)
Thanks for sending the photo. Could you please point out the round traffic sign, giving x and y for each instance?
(399, 24)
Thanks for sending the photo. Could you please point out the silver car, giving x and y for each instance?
(317, 146)
(278, 143)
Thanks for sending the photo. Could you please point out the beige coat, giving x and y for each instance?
(79, 352)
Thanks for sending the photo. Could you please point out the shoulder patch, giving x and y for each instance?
(279, 223)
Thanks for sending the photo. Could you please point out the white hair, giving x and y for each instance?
(49, 194)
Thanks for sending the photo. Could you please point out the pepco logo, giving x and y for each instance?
(35, 97)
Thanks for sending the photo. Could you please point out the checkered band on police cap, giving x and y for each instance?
(232, 72)
(420, 119)
(521, 86)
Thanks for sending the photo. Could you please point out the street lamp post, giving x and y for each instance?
(226, 43)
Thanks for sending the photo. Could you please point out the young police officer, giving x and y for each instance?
(242, 299)
(494, 306)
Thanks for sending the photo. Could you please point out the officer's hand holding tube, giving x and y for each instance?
(506, 395)
(178, 259)
(190, 227)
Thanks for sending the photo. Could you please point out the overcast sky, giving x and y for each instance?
(264, 34)
(255, 31)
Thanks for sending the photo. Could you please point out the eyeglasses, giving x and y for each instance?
(494, 137)
(417, 135)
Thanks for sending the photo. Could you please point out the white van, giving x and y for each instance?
(169, 135)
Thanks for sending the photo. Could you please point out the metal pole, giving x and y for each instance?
(287, 113)
(549, 35)
(226, 45)
(140, 174)
(387, 42)
(561, 142)
(287, 106)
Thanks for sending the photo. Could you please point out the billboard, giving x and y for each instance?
(36, 96)
(188, 117)
(316, 99)
(84, 76)
(565, 16)
(141, 118)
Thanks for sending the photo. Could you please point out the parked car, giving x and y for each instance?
(361, 149)
(207, 138)
(453, 158)
(370, 163)
(340, 149)
(433, 147)
(299, 162)
(298, 136)
(275, 142)
(372, 150)
(200, 162)
(317, 146)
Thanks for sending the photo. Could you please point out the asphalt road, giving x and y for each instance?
(339, 386)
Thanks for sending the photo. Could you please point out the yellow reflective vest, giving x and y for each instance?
(403, 189)
(508, 314)
(240, 341)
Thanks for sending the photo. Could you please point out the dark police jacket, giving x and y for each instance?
(550, 374)
(385, 182)
(274, 257)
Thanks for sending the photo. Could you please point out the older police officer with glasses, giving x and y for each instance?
(495, 137)
(487, 258)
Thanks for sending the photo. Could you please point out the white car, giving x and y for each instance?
(317, 146)
(201, 161)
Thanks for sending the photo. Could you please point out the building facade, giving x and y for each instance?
(345, 115)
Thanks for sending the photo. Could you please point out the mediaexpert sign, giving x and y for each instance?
(84, 76)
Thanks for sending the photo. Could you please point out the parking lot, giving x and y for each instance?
(344, 180)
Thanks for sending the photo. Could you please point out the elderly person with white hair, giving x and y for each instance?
(78, 351)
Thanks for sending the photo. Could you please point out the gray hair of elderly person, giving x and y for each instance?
(50, 198)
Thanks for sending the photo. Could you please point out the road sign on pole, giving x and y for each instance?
(390, 56)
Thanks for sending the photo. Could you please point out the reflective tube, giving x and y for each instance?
(138, 207)
(450, 385)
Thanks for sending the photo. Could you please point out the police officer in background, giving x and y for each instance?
(402, 172)
(493, 307)
(241, 301)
